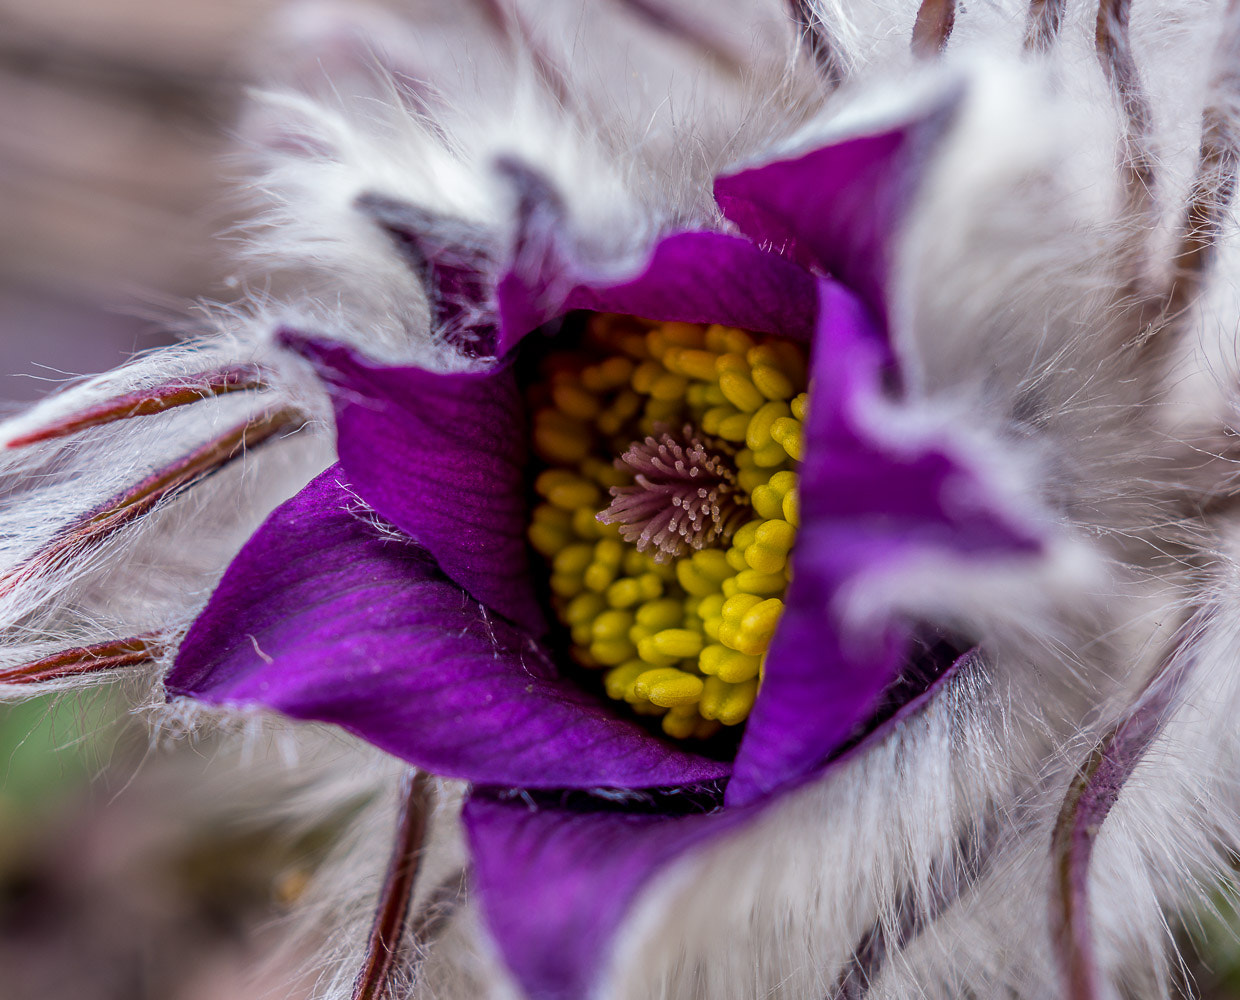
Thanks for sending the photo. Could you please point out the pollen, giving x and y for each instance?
(667, 510)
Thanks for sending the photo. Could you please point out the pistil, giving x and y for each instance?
(684, 497)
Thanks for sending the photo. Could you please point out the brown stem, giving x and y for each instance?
(1214, 183)
(124, 508)
(100, 656)
(509, 23)
(1092, 794)
(175, 392)
(815, 36)
(933, 27)
(383, 945)
(1042, 26)
(668, 18)
(1113, 44)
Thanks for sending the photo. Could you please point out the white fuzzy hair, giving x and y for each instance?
(923, 867)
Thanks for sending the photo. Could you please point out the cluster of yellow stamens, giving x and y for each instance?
(668, 509)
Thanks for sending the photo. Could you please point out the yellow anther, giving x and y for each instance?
(681, 725)
(729, 587)
(644, 376)
(732, 362)
(547, 539)
(693, 580)
(670, 687)
(715, 416)
(585, 525)
(611, 652)
(736, 667)
(642, 707)
(559, 438)
(734, 428)
(710, 606)
(607, 375)
(799, 403)
(777, 534)
(683, 334)
(772, 383)
(623, 408)
(583, 609)
(728, 339)
(698, 365)
(647, 650)
(660, 614)
(747, 534)
(767, 500)
(565, 585)
(740, 391)
(729, 703)
(759, 432)
(710, 658)
(770, 455)
(569, 494)
(736, 558)
(598, 576)
(612, 624)
(681, 643)
(605, 474)
(573, 559)
(639, 632)
(735, 608)
(765, 559)
(549, 479)
(787, 431)
(759, 625)
(712, 564)
(792, 508)
(609, 552)
(651, 586)
(669, 387)
(620, 679)
(649, 676)
(624, 593)
(575, 401)
(582, 634)
(750, 581)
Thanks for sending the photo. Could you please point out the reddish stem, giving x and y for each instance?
(82, 660)
(383, 945)
(933, 27)
(180, 391)
(139, 499)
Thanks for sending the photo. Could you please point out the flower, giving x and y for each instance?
(978, 461)
(438, 652)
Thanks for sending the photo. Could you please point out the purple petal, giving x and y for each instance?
(326, 616)
(450, 258)
(838, 207)
(695, 277)
(443, 458)
(579, 871)
(867, 504)
(555, 884)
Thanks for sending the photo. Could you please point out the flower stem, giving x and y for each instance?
(175, 392)
(383, 945)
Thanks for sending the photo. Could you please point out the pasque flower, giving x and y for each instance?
(436, 649)
(795, 574)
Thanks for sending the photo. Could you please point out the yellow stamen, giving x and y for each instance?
(684, 639)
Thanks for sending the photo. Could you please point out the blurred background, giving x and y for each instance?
(118, 878)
